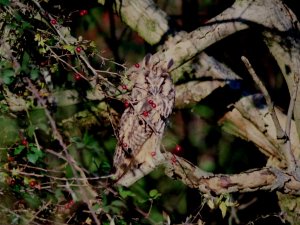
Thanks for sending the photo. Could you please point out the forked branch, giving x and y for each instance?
(281, 134)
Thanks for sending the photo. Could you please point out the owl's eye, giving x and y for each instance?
(128, 153)
(129, 150)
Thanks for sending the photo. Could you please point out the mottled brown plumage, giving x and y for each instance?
(142, 123)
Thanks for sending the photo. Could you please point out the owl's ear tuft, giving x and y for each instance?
(170, 64)
(147, 59)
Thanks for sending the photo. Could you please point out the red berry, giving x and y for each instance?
(124, 145)
(124, 87)
(152, 103)
(67, 206)
(53, 21)
(10, 159)
(32, 183)
(137, 65)
(153, 154)
(24, 142)
(71, 202)
(145, 113)
(83, 12)
(78, 49)
(77, 76)
(44, 63)
(126, 104)
(178, 148)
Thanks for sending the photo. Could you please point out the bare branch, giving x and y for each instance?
(257, 179)
(286, 145)
(280, 133)
(87, 193)
(291, 107)
(143, 16)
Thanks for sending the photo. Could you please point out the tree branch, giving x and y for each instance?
(281, 135)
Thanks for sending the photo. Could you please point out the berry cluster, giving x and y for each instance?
(83, 12)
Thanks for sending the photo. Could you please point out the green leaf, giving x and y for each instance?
(42, 50)
(110, 143)
(105, 167)
(223, 208)
(26, 25)
(59, 195)
(19, 149)
(204, 111)
(154, 193)
(68, 171)
(37, 151)
(92, 44)
(15, 172)
(4, 2)
(34, 74)
(8, 76)
(25, 62)
(32, 200)
(54, 68)
(30, 130)
(125, 193)
(34, 155)
(97, 208)
(3, 177)
(211, 204)
(70, 48)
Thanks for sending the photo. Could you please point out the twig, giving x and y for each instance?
(75, 168)
(291, 107)
(281, 134)
(289, 119)
(40, 210)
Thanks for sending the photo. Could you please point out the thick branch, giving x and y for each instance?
(280, 26)
(143, 17)
(249, 181)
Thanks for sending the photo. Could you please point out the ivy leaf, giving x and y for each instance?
(19, 149)
(41, 41)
